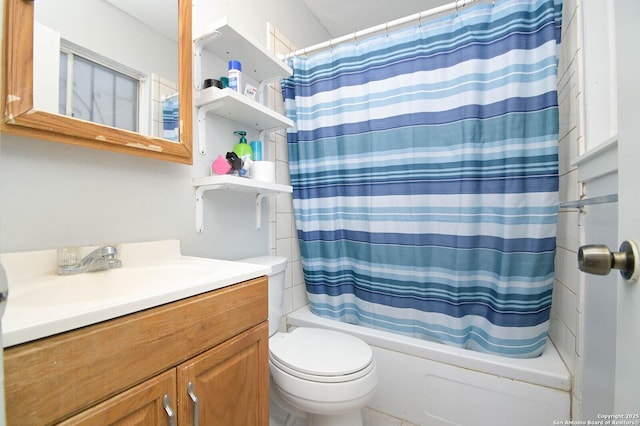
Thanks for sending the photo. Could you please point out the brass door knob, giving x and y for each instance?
(599, 260)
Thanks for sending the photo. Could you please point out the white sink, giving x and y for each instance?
(42, 303)
(106, 287)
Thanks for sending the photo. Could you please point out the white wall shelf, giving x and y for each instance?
(227, 43)
(234, 183)
(224, 41)
(230, 104)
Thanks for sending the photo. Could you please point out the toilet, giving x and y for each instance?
(323, 375)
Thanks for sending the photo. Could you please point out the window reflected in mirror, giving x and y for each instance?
(96, 93)
(129, 83)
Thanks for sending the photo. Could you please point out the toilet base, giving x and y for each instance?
(297, 417)
(287, 414)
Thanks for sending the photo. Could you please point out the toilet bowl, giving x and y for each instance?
(323, 375)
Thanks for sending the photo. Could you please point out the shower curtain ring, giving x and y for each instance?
(464, 3)
(355, 37)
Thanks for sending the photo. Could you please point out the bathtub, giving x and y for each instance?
(429, 383)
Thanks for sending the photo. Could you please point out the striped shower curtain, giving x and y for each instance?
(425, 173)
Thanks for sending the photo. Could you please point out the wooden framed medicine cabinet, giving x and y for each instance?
(21, 118)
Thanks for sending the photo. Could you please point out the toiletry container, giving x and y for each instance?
(256, 150)
(242, 148)
(235, 76)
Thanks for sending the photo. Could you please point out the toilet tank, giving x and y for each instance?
(276, 287)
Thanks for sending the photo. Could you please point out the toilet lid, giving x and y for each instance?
(320, 353)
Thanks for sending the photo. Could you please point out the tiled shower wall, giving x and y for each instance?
(282, 229)
(161, 88)
(566, 314)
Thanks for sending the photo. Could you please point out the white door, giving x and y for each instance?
(608, 380)
(627, 377)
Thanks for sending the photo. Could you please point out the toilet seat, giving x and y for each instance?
(321, 355)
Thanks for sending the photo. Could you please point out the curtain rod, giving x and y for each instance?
(456, 5)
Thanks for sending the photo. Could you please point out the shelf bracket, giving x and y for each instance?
(202, 121)
(198, 46)
(263, 86)
(263, 134)
(259, 198)
(200, 205)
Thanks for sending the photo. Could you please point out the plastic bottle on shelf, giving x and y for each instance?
(235, 76)
(242, 148)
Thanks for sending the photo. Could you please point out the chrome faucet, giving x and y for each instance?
(103, 258)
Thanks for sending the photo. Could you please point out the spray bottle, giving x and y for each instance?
(235, 76)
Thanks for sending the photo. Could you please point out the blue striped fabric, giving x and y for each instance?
(425, 171)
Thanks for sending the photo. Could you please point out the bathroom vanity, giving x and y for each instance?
(121, 370)
(181, 361)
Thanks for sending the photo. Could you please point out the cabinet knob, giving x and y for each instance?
(599, 260)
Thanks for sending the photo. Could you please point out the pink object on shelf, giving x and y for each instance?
(221, 166)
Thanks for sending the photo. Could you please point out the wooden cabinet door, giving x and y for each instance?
(141, 405)
(230, 381)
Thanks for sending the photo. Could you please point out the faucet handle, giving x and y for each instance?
(69, 256)
(109, 251)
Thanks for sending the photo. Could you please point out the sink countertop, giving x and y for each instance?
(42, 303)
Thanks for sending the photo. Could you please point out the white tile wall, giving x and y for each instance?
(283, 237)
(566, 317)
(161, 88)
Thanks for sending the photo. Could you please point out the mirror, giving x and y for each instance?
(39, 105)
